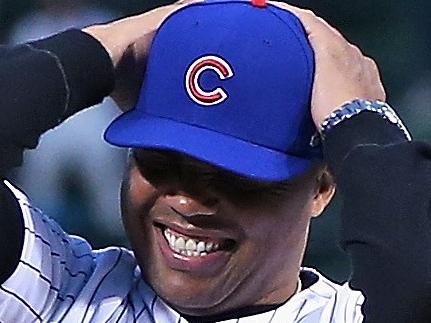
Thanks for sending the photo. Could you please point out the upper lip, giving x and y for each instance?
(190, 214)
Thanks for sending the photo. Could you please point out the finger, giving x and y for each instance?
(154, 17)
(376, 76)
(181, 2)
(307, 17)
(317, 29)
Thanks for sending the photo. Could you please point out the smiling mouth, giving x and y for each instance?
(195, 246)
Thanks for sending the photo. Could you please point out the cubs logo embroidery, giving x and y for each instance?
(195, 91)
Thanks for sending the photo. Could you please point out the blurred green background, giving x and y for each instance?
(397, 34)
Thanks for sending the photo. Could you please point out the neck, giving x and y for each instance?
(281, 295)
(243, 311)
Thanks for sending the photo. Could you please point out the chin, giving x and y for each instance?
(193, 285)
(187, 294)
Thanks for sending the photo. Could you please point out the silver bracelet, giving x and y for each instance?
(354, 108)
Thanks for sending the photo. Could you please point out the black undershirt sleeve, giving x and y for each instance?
(41, 84)
(385, 184)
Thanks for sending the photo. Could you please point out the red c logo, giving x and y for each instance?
(196, 93)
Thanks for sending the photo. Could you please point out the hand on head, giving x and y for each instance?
(128, 42)
(343, 73)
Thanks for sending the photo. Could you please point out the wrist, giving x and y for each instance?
(366, 129)
(106, 36)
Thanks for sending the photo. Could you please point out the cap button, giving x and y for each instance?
(259, 3)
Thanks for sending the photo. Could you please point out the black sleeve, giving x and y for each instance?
(41, 84)
(385, 183)
(44, 82)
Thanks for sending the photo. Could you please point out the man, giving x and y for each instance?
(210, 244)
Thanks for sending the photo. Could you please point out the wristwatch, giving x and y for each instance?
(354, 108)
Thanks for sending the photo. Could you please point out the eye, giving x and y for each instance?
(156, 167)
(242, 191)
(196, 177)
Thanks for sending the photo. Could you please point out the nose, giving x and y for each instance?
(189, 206)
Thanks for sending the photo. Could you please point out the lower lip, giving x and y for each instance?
(202, 266)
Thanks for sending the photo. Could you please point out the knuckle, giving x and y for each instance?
(309, 12)
(355, 49)
(372, 63)
(322, 21)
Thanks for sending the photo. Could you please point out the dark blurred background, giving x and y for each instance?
(74, 176)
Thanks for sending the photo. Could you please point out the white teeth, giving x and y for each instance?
(191, 247)
(172, 241)
(200, 247)
(209, 246)
(180, 243)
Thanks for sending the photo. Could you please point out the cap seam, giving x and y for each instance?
(309, 76)
(296, 37)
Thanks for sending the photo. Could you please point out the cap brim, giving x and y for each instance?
(137, 130)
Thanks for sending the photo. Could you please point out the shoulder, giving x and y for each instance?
(19, 195)
(325, 301)
(323, 286)
(64, 274)
(115, 256)
(115, 264)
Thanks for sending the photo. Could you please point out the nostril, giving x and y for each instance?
(170, 191)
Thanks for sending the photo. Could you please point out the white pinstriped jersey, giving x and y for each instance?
(61, 279)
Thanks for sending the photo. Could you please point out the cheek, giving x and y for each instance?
(137, 198)
(136, 192)
(139, 187)
(273, 245)
(277, 234)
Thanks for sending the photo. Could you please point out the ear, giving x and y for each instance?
(325, 190)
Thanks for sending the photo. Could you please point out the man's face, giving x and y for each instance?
(208, 241)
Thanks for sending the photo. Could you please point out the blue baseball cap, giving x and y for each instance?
(229, 83)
